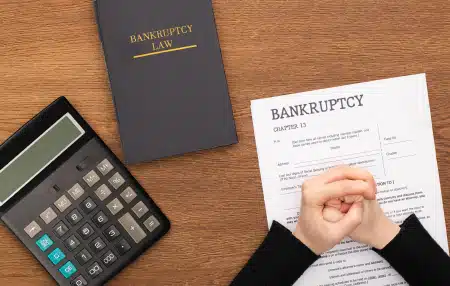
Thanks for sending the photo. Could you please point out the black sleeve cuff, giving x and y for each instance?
(416, 255)
(280, 260)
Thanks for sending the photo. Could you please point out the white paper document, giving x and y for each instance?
(382, 126)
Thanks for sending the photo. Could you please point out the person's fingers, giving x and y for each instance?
(338, 206)
(345, 207)
(344, 188)
(351, 220)
(343, 204)
(331, 214)
(335, 203)
(345, 172)
(352, 199)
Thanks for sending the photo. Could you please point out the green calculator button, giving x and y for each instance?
(68, 270)
(44, 242)
(56, 256)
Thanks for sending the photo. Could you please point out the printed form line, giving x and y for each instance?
(404, 141)
(328, 158)
(165, 51)
(335, 161)
(381, 147)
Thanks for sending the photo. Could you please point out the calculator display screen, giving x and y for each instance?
(38, 155)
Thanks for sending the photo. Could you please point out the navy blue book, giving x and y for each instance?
(166, 75)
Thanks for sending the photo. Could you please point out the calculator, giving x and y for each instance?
(71, 202)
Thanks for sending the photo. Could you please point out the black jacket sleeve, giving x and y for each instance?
(280, 260)
(416, 256)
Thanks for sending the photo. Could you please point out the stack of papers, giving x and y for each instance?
(382, 126)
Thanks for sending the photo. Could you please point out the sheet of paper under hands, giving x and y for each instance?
(383, 126)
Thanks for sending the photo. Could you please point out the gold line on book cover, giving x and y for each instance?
(165, 51)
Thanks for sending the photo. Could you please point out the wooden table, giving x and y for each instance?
(50, 48)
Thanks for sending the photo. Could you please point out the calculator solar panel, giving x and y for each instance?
(71, 202)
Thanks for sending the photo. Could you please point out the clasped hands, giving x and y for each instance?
(339, 203)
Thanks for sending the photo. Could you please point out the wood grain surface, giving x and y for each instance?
(50, 48)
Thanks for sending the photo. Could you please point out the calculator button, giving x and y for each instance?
(131, 226)
(79, 281)
(83, 257)
(86, 231)
(62, 203)
(109, 258)
(68, 269)
(100, 219)
(72, 243)
(103, 192)
(56, 256)
(74, 217)
(115, 206)
(105, 167)
(111, 233)
(91, 178)
(32, 229)
(122, 246)
(116, 181)
(76, 192)
(88, 205)
(140, 209)
(94, 270)
(97, 245)
(48, 215)
(60, 229)
(128, 195)
(151, 223)
(44, 242)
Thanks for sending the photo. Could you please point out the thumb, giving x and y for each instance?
(351, 220)
(332, 214)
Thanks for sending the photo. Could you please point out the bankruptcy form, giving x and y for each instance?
(382, 126)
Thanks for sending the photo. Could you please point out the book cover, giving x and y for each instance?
(167, 77)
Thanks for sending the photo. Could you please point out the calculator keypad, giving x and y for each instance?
(103, 192)
(76, 192)
(91, 178)
(128, 195)
(140, 209)
(105, 167)
(79, 281)
(115, 206)
(63, 203)
(116, 181)
(111, 233)
(97, 245)
(122, 246)
(72, 243)
(88, 205)
(132, 227)
(83, 257)
(32, 229)
(96, 221)
(48, 215)
(100, 219)
(86, 231)
(68, 269)
(44, 243)
(151, 223)
(56, 256)
(109, 258)
(94, 270)
(60, 229)
(74, 217)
